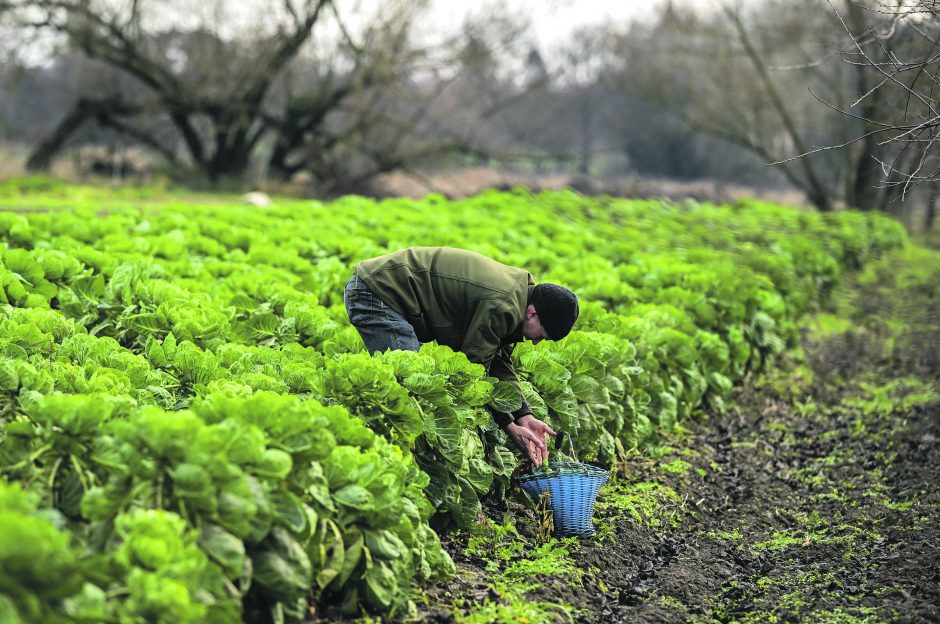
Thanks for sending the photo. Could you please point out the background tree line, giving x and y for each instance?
(313, 90)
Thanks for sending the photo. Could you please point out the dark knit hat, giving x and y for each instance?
(557, 308)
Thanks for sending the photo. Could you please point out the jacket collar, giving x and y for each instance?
(516, 334)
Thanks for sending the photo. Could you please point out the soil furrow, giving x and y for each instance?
(816, 498)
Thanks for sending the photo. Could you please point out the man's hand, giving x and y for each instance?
(529, 433)
(535, 425)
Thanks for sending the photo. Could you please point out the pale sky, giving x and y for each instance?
(551, 23)
(554, 19)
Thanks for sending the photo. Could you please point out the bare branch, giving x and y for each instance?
(816, 190)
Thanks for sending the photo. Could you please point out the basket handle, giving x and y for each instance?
(560, 440)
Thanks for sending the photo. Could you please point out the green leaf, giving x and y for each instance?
(541, 364)
(318, 488)
(332, 552)
(224, 548)
(237, 507)
(275, 464)
(384, 544)
(20, 428)
(70, 494)
(289, 511)
(480, 475)
(192, 481)
(261, 522)
(9, 379)
(380, 586)
(431, 387)
(589, 390)
(477, 393)
(280, 566)
(355, 496)
(465, 507)
(505, 398)
(355, 544)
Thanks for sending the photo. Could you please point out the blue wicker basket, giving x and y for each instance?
(573, 487)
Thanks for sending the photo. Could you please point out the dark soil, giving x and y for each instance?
(811, 500)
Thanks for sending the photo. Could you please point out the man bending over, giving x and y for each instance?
(468, 302)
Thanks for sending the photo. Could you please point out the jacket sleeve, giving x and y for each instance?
(483, 344)
(490, 322)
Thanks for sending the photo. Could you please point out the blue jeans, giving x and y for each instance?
(381, 327)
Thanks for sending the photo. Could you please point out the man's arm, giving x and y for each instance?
(492, 321)
(483, 344)
(528, 432)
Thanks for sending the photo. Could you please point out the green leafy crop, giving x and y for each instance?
(199, 435)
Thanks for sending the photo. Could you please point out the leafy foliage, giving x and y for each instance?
(200, 435)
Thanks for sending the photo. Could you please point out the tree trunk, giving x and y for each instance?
(862, 191)
(84, 109)
(584, 162)
(232, 151)
(931, 215)
(813, 187)
(236, 117)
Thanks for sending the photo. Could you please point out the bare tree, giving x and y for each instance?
(715, 73)
(493, 68)
(214, 90)
(361, 97)
(754, 77)
(896, 55)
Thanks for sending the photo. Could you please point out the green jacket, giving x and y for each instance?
(459, 298)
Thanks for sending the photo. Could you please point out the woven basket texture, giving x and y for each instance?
(573, 487)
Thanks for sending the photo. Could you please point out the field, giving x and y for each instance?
(193, 432)
(813, 499)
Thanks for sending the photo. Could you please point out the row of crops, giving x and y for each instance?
(191, 431)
